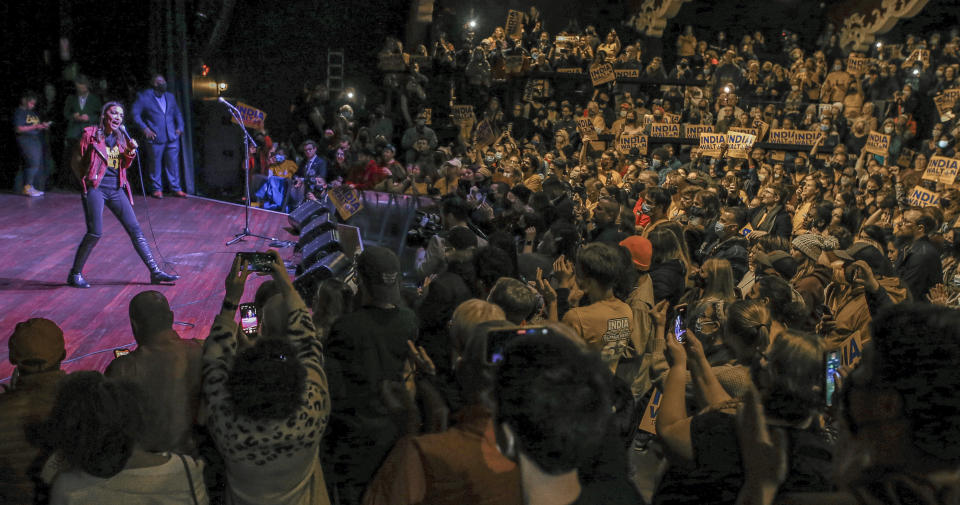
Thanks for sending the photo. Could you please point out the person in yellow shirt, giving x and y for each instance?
(281, 166)
(274, 190)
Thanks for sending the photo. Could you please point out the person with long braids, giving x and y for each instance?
(100, 162)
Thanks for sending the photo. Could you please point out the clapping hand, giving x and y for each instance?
(544, 288)
(421, 360)
(940, 295)
(563, 272)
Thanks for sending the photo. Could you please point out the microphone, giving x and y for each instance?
(129, 137)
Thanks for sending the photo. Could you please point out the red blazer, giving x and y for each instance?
(89, 162)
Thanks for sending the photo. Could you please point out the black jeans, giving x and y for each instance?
(116, 200)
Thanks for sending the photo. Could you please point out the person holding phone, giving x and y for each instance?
(100, 161)
(29, 130)
(788, 373)
(268, 402)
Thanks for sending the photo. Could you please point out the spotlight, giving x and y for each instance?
(350, 95)
(879, 44)
(222, 87)
(916, 71)
(472, 24)
(727, 89)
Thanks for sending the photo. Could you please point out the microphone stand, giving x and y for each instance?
(247, 142)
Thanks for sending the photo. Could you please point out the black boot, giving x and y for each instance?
(157, 276)
(75, 279)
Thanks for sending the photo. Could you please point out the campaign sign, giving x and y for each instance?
(665, 130)
(648, 422)
(740, 144)
(514, 24)
(710, 143)
(877, 143)
(347, 200)
(945, 102)
(793, 137)
(585, 127)
(857, 65)
(851, 350)
(602, 73)
(462, 113)
(693, 131)
(941, 169)
(739, 129)
(252, 116)
(626, 142)
(921, 197)
(629, 73)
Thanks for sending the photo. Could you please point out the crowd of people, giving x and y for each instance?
(779, 326)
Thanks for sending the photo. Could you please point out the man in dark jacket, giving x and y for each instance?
(728, 244)
(770, 216)
(158, 116)
(366, 349)
(604, 217)
(918, 263)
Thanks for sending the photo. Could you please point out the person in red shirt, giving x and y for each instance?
(379, 169)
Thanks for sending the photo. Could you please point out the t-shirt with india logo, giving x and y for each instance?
(606, 327)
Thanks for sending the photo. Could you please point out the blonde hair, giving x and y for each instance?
(719, 280)
(468, 315)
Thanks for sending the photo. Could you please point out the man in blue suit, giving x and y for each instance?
(156, 113)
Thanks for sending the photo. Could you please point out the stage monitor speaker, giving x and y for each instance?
(318, 223)
(336, 264)
(324, 244)
(298, 217)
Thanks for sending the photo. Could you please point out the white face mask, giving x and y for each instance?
(887, 129)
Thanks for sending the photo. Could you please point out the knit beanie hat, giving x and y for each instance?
(812, 244)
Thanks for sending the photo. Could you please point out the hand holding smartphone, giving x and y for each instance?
(257, 262)
(497, 340)
(831, 366)
(249, 323)
(680, 323)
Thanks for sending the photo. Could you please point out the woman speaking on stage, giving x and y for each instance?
(100, 161)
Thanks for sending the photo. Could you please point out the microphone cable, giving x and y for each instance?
(146, 205)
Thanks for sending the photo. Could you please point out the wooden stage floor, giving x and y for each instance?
(38, 239)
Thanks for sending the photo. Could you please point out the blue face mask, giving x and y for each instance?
(499, 156)
(655, 163)
(824, 127)
(279, 158)
(942, 144)
(645, 208)
(719, 227)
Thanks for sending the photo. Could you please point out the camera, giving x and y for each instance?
(427, 225)
(257, 262)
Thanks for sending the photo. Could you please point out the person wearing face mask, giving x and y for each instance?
(857, 137)
(274, 188)
(835, 86)
(726, 242)
(158, 116)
